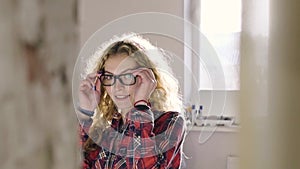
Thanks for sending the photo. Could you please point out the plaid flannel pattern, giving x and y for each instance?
(142, 141)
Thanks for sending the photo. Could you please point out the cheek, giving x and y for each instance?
(108, 90)
(132, 89)
(129, 89)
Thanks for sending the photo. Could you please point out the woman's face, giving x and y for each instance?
(122, 95)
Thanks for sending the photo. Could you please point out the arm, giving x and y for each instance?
(89, 98)
(140, 140)
(160, 146)
(152, 144)
(89, 156)
(170, 141)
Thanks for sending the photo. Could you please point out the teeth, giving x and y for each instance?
(121, 97)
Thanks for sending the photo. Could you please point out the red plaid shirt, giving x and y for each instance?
(147, 140)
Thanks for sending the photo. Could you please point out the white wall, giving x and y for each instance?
(94, 14)
(213, 153)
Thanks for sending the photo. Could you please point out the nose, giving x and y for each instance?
(118, 85)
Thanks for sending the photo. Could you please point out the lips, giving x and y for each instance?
(121, 97)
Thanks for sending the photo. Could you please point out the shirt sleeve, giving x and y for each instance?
(170, 132)
(154, 147)
(89, 158)
(140, 140)
(141, 123)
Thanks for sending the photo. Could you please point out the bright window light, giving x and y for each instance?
(220, 16)
(221, 24)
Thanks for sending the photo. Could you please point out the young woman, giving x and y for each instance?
(130, 108)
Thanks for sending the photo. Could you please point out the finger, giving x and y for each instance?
(91, 76)
(97, 84)
(149, 75)
(139, 69)
(152, 83)
(148, 80)
(85, 84)
(140, 74)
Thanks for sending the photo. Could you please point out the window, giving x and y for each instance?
(220, 23)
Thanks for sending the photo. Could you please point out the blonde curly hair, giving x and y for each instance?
(166, 95)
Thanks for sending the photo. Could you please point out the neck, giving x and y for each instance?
(124, 112)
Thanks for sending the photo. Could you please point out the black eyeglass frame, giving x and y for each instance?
(115, 77)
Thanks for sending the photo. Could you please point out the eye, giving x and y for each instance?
(128, 76)
(107, 77)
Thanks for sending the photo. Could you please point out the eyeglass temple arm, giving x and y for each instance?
(100, 71)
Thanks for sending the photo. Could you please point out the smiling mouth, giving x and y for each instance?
(121, 97)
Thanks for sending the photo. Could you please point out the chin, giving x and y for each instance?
(123, 105)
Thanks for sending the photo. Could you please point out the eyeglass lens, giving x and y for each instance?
(126, 79)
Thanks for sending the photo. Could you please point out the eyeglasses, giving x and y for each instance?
(127, 79)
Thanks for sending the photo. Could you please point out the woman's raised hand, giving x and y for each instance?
(146, 83)
(89, 92)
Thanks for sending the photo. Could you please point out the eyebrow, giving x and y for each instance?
(121, 71)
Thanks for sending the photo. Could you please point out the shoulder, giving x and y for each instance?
(166, 120)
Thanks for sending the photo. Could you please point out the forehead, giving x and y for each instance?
(118, 63)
